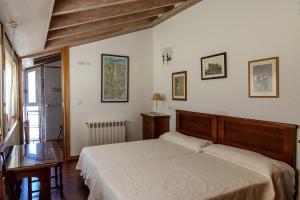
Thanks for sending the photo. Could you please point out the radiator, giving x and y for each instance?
(107, 132)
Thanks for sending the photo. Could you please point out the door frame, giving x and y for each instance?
(65, 77)
(65, 83)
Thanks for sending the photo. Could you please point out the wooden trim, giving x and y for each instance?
(277, 77)
(65, 75)
(20, 101)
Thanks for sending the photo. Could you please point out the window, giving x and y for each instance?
(9, 90)
(10, 87)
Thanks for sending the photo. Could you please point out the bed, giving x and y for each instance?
(166, 169)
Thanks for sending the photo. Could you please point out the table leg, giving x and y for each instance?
(29, 187)
(45, 181)
(18, 188)
(11, 181)
(61, 186)
(56, 177)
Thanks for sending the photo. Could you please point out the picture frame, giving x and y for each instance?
(114, 78)
(214, 66)
(263, 78)
(179, 86)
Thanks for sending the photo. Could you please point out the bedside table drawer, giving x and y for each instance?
(148, 133)
(154, 126)
(148, 123)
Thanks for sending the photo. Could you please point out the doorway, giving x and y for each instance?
(43, 99)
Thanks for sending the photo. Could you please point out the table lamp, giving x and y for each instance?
(156, 97)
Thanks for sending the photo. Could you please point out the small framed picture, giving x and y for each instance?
(264, 78)
(214, 66)
(179, 86)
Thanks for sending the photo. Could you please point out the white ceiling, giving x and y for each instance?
(32, 17)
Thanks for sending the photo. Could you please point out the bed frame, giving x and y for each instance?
(198, 125)
(272, 139)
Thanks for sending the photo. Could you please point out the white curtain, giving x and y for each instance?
(11, 88)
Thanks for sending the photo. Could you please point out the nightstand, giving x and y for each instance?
(154, 125)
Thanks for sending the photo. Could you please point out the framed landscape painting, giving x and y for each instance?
(179, 86)
(114, 78)
(214, 66)
(264, 78)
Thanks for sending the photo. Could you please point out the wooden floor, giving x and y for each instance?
(74, 187)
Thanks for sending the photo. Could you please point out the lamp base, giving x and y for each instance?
(154, 113)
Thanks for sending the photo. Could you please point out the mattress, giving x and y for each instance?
(161, 170)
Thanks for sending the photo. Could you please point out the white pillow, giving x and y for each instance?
(281, 174)
(189, 142)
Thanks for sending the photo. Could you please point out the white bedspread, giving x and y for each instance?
(94, 159)
(161, 170)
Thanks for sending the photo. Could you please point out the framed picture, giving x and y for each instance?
(214, 66)
(179, 86)
(264, 78)
(114, 78)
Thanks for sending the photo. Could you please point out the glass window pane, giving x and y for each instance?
(31, 87)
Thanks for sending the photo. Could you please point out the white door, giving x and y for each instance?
(32, 102)
(52, 102)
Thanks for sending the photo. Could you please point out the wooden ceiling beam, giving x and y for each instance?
(47, 59)
(41, 53)
(106, 22)
(69, 6)
(178, 8)
(72, 19)
(66, 41)
(102, 37)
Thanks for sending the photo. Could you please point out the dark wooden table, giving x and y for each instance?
(35, 160)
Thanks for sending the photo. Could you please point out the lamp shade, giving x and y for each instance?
(156, 97)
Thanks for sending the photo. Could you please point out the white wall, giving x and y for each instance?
(86, 85)
(246, 30)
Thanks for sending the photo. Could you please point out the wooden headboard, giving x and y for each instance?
(198, 125)
(275, 140)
